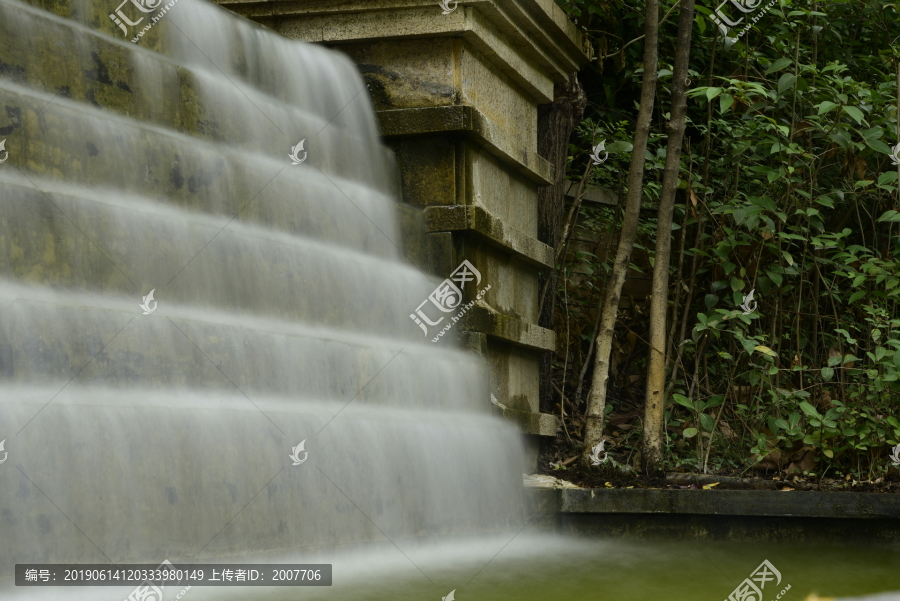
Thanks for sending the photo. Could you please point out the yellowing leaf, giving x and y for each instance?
(710, 486)
(765, 350)
(828, 453)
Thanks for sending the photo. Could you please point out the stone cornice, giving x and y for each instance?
(532, 41)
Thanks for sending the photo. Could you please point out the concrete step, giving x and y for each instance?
(123, 78)
(57, 138)
(58, 336)
(180, 472)
(129, 246)
(249, 56)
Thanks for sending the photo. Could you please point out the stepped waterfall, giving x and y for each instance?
(142, 429)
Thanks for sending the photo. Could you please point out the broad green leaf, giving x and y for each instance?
(725, 102)
(706, 422)
(873, 133)
(683, 400)
(853, 112)
(690, 432)
(857, 295)
(620, 146)
(841, 138)
(809, 409)
(827, 373)
(828, 453)
(786, 81)
(778, 65)
(765, 350)
(887, 177)
(879, 146)
(826, 106)
(713, 92)
(891, 216)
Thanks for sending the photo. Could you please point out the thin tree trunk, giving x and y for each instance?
(556, 122)
(597, 400)
(654, 403)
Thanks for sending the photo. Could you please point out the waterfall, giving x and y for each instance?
(280, 310)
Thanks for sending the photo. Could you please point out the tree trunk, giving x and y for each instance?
(597, 400)
(654, 403)
(556, 122)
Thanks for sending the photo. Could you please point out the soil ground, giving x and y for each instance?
(609, 476)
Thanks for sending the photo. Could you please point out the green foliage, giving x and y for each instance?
(793, 125)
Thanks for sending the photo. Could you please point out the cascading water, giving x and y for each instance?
(280, 311)
(279, 319)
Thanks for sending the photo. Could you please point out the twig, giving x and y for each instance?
(638, 39)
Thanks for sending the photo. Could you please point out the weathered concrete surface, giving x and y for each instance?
(457, 97)
(541, 424)
(432, 120)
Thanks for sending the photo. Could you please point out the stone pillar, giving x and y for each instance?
(457, 97)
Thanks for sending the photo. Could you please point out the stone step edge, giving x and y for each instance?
(468, 119)
(479, 220)
(795, 504)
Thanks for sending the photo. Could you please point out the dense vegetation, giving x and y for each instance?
(787, 189)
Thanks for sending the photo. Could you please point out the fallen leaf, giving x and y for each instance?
(710, 486)
(608, 485)
(787, 488)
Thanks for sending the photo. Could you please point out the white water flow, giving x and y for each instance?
(282, 301)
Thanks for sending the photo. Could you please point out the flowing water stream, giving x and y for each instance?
(138, 429)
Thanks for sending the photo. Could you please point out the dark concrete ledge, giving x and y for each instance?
(462, 118)
(674, 526)
(732, 502)
(539, 424)
(477, 219)
(510, 329)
